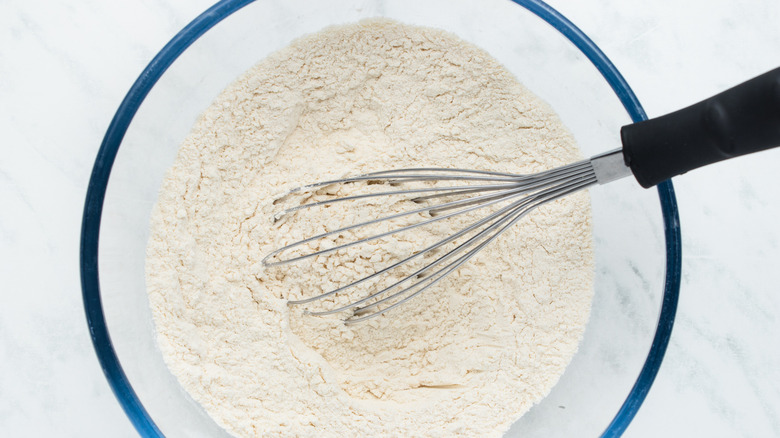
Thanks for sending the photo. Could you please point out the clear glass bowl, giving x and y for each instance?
(636, 231)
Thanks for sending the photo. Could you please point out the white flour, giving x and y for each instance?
(465, 358)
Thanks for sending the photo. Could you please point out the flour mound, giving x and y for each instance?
(465, 358)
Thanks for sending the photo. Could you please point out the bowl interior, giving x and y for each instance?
(628, 223)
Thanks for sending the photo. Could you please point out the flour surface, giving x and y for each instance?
(465, 358)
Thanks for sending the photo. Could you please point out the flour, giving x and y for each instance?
(465, 358)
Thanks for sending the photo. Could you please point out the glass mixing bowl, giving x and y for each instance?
(636, 231)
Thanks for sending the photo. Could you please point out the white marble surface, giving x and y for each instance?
(65, 66)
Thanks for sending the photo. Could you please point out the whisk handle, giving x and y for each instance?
(741, 120)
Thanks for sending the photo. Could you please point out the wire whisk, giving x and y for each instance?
(474, 190)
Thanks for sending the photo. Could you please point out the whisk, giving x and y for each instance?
(738, 121)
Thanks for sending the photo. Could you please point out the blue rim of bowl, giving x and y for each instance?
(98, 182)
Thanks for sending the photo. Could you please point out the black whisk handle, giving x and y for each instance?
(741, 120)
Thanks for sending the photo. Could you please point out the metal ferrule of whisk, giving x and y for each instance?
(468, 191)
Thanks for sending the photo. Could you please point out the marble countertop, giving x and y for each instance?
(65, 66)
